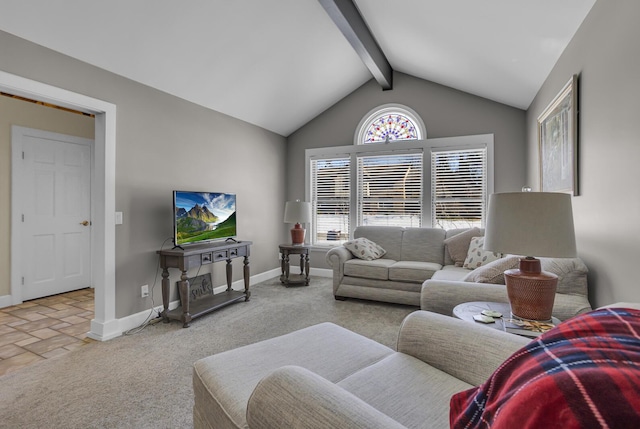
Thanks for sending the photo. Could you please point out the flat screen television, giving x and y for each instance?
(203, 216)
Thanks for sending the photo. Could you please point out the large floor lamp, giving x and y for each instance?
(536, 224)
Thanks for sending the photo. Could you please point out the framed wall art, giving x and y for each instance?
(558, 141)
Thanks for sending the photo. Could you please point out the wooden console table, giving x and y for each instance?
(194, 256)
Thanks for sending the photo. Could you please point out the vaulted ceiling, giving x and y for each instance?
(279, 63)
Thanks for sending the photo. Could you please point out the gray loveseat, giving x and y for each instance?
(327, 376)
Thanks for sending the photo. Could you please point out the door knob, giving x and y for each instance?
(85, 222)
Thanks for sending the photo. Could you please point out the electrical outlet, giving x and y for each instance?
(144, 291)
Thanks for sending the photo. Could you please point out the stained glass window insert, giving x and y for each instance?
(389, 127)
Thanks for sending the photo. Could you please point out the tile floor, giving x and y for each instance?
(44, 328)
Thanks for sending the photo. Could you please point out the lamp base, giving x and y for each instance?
(297, 234)
(531, 291)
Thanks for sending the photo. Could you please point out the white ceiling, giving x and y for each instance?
(279, 63)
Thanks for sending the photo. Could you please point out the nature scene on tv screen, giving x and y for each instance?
(203, 216)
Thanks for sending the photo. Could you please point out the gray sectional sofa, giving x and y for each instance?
(412, 256)
(441, 296)
(417, 269)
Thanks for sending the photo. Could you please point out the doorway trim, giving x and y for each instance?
(104, 326)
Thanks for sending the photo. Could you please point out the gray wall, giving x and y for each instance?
(446, 112)
(166, 143)
(606, 55)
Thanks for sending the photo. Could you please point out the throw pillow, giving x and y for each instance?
(493, 272)
(458, 245)
(581, 374)
(477, 256)
(571, 272)
(364, 248)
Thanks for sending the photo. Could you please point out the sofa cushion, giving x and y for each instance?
(582, 373)
(423, 244)
(376, 269)
(363, 248)
(412, 271)
(406, 389)
(477, 256)
(571, 272)
(493, 272)
(451, 273)
(389, 237)
(458, 245)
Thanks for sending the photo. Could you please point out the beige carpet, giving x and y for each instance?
(144, 380)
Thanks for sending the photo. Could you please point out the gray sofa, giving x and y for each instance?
(418, 270)
(442, 295)
(413, 255)
(326, 376)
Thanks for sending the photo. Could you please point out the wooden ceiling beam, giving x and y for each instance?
(347, 17)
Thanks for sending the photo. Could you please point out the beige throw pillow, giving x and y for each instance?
(493, 272)
(458, 245)
(364, 248)
(477, 256)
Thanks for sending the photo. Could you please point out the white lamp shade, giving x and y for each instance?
(538, 224)
(297, 212)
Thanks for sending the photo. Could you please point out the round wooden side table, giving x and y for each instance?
(467, 310)
(286, 277)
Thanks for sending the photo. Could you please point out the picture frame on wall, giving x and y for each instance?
(558, 141)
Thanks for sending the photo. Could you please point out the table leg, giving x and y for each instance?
(286, 267)
(165, 295)
(247, 276)
(229, 274)
(184, 299)
(306, 269)
(282, 257)
(301, 263)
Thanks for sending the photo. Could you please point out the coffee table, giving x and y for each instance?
(467, 310)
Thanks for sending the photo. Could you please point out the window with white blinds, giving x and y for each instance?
(390, 189)
(458, 188)
(330, 188)
(441, 183)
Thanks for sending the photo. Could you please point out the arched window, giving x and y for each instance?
(439, 183)
(388, 123)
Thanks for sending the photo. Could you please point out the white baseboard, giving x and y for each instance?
(101, 331)
(6, 301)
(135, 320)
(267, 275)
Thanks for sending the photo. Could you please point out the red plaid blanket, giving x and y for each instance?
(584, 373)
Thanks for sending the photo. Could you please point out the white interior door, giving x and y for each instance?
(56, 209)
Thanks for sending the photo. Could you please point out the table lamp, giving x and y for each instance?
(533, 224)
(297, 212)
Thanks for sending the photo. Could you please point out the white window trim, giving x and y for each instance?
(309, 193)
(445, 143)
